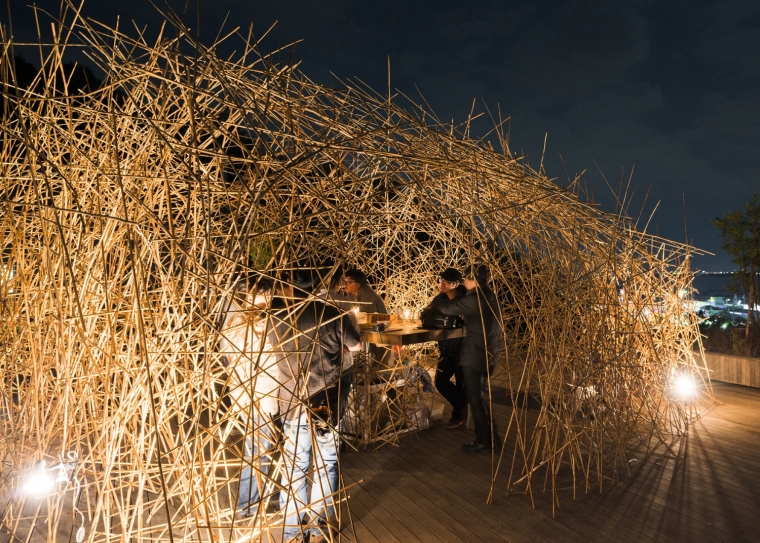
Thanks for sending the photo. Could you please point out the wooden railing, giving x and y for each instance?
(741, 370)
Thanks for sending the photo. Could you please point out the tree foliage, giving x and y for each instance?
(740, 231)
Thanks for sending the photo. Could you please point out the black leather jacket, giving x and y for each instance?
(450, 348)
(311, 339)
(483, 325)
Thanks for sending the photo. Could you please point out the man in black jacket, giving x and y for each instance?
(480, 348)
(451, 288)
(312, 337)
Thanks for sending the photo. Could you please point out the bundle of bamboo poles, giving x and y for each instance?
(129, 211)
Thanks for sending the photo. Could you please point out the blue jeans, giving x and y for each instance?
(256, 464)
(303, 446)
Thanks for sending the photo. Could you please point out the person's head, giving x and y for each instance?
(336, 280)
(475, 276)
(450, 280)
(255, 289)
(304, 282)
(353, 280)
(263, 292)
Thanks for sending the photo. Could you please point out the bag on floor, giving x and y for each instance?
(419, 417)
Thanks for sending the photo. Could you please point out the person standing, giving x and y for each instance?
(332, 296)
(451, 288)
(481, 346)
(313, 336)
(253, 380)
(357, 289)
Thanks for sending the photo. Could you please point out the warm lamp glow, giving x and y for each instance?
(38, 482)
(407, 314)
(684, 386)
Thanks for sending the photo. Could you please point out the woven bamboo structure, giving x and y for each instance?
(128, 212)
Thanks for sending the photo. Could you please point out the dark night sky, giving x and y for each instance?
(670, 89)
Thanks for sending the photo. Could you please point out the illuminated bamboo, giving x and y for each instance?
(128, 212)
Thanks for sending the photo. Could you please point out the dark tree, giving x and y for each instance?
(740, 231)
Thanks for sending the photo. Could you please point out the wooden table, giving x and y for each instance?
(379, 407)
(408, 335)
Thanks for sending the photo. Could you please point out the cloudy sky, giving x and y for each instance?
(669, 90)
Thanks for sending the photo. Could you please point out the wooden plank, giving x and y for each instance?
(706, 492)
(404, 493)
(439, 496)
(435, 497)
(408, 336)
(365, 523)
(467, 478)
(733, 369)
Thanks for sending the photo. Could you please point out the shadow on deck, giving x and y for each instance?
(703, 489)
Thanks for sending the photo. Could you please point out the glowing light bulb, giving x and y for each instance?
(38, 482)
(684, 386)
(407, 314)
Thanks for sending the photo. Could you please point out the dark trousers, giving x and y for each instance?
(334, 398)
(454, 394)
(476, 392)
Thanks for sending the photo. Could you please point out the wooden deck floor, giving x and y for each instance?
(704, 489)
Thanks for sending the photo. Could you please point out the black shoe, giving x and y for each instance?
(476, 446)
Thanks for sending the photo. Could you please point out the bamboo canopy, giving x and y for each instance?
(128, 212)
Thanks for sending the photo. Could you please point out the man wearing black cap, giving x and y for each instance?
(450, 287)
(480, 347)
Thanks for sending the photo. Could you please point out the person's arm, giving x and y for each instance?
(431, 305)
(464, 305)
(351, 338)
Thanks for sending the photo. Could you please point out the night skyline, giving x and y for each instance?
(668, 90)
